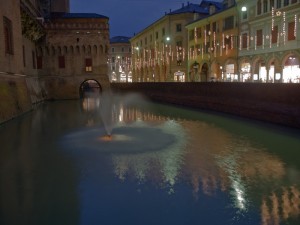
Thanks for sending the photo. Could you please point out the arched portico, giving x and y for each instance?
(291, 68)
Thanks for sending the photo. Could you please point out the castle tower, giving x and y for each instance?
(60, 6)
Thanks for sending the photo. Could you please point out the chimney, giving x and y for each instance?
(212, 9)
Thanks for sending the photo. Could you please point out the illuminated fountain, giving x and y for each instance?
(118, 135)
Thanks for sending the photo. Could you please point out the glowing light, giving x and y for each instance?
(295, 29)
(284, 28)
(244, 9)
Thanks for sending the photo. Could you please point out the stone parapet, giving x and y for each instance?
(275, 103)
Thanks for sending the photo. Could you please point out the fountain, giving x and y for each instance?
(118, 135)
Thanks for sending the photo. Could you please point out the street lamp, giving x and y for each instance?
(169, 54)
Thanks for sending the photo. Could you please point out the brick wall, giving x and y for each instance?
(275, 103)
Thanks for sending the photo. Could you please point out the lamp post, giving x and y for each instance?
(168, 39)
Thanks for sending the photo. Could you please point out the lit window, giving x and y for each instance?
(88, 65)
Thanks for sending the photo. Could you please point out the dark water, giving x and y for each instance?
(165, 165)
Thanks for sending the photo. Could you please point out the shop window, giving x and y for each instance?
(259, 37)
(291, 31)
(61, 62)
(8, 35)
(88, 65)
(275, 34)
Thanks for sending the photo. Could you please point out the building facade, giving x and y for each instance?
(120, 59)
(248, 41)
(159, 52)
(45, 43)
(269, 40)
(212, 46)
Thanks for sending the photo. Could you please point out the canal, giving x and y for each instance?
(161, 165)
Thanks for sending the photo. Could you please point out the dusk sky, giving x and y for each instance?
(127, 17)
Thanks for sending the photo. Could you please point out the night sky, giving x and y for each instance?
(127, 17)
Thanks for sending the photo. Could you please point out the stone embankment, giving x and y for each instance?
(276, 103)
(17, 95)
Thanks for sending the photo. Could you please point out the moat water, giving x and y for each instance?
(165, 165)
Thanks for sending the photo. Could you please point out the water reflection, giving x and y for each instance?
(213, 159)
(214, 171)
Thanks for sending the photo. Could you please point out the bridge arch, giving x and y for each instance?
(90, 87)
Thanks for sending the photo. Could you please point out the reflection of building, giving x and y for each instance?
(215, 160)
(159, 51)
(213, 45)
(120, 60)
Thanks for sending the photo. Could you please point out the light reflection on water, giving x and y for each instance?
(214, 159)
(216, 170)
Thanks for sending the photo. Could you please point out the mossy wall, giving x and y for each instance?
(14, 97)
